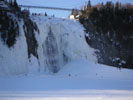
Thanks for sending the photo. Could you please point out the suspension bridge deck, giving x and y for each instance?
(44, 7)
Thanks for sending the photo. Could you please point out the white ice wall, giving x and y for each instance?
(69, 37)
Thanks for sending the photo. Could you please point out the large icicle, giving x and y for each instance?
(51, 52)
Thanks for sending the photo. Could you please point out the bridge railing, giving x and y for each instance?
(44, 7)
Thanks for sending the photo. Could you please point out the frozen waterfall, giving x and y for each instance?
(51, 52)
(60, 41)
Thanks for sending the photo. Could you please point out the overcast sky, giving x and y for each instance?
(62, 4)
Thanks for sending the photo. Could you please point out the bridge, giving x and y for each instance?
(44, 7)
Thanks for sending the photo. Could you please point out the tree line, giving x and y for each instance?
(114, 22)
(11, 2)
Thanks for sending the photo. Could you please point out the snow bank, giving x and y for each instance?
(78, 79)
(85, 69)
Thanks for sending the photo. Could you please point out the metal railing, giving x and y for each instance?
(44, 7)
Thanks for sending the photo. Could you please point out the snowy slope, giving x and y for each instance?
(79, 80)
(80, 74)
(90, 70)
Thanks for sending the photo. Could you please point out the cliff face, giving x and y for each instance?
(32, 44)
(109, 29)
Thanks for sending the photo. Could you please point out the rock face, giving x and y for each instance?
(30, 28)
(39, 44)
(9, 27)
(110, 51)
(109, 30)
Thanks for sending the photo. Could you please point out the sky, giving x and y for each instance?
(62, 4)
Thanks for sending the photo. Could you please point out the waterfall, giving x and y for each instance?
(51, 52)
(55, 42)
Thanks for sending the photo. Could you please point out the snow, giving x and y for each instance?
(64, 37)
(2, 4)
(68, 37)
(79, 77)
(93, 95)
(60, 41)
(87, 35)
(78, 80)
(94, 71)
(14, 60)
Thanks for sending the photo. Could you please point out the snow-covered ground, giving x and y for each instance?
(78, 80)
(71, 95)
(79, 77)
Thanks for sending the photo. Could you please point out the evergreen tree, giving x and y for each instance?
(89, 5)
(10, 2)
(113, 21)
(15, 4)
